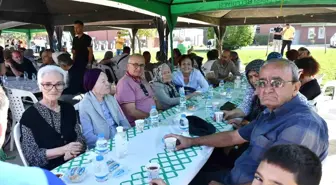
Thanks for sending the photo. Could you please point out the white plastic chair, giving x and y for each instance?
(17, 107)
(323, 102)
(17, 136)
(319, 78)
(104, 68)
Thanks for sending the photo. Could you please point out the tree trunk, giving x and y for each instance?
(139, 43)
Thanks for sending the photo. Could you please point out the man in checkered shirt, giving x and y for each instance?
(287, 120)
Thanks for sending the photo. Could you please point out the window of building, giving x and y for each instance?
(258, 29)
(311, 33)
(321, 32)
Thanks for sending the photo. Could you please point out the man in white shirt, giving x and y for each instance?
(119, 63)
(212, 56)
(11, 174)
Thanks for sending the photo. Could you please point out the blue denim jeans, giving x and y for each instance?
(119, 51)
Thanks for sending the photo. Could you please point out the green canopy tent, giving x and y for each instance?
(238, 12)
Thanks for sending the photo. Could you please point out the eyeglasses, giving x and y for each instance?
(143, 88)
(275, 83)
(136, 66)
(49, 87)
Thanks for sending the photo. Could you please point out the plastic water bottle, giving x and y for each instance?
(228, 94)
(25, 75)
(154, 116)
(34, 77)
(237, 82)
(210, 92)
(183, 99)
(121, 142)
(4, 79)
(100, 169)
(208, 107)
(221, 85)
(184, 123)
(101, 145)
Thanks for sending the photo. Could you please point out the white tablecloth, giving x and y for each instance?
(178, 168)
(26, 85)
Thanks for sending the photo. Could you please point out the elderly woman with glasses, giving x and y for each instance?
(188, 77)
(134, 94)
(250, 107)
(51, 134)
(99, 111)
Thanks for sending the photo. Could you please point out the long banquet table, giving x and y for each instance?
(177, 168)
(26, 85)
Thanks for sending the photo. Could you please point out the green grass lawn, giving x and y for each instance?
(327, 60)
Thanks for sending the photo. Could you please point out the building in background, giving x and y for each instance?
(306, 33)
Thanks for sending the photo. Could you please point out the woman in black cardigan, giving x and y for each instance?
(310, 88)
(50, 130)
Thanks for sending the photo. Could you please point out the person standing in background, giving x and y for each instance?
(119, 44)
(277, 38)
(81, 47)
(288, 34)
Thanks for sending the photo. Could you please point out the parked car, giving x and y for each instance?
(333, 41)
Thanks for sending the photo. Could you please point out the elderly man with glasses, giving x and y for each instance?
(134, 93)
(286, 120)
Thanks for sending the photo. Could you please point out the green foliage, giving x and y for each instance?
(148, 33)
(14, 35)
(210, 33)
(261, 39)
(238, 36)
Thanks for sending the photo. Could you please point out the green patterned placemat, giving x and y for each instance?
(170, 164)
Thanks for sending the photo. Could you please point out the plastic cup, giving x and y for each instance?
(139, 124)
(219, 116)
(170, 143)
(153, 171)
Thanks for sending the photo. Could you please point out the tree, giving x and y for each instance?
(211, 33)
(238, 36)
(148, 33)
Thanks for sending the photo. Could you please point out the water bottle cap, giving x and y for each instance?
(99, 158)
(153, 107)
(183, 115)
(101, 135)
(120, 129)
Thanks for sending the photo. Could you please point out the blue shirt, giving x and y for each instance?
(11, 174)
(196, 80)
(292, 123)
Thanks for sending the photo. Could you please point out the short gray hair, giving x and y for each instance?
(288, 64)
(134, 56)
(4, 103)
(48, 69)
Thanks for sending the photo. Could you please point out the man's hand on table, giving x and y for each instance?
(227, 114)
(237, 123)
(157, 182)
(215, 183)
(182, 142)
